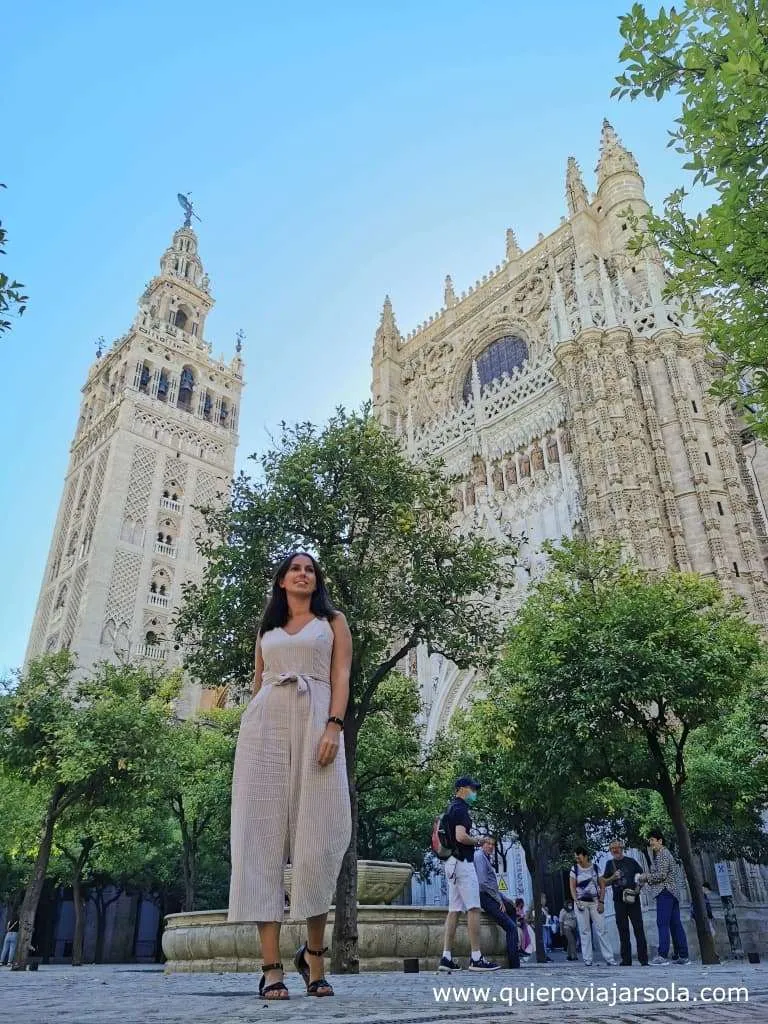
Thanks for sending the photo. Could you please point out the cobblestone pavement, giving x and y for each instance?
(125, 994)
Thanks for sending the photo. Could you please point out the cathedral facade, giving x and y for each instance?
(154, 443)
(569, 396)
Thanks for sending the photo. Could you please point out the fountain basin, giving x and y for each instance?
(378, 881)
(205, 941)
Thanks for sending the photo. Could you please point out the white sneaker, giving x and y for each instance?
(659, 961)
(611, 963)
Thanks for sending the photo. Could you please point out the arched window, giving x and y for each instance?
(186, 385)
(181, 319)
(207, 406)
(162, 386)
(223, 413)
(505, 355)
(151, 638)
(144, 379)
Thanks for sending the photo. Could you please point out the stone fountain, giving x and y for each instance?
(206, 941)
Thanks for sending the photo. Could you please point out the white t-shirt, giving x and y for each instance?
(586, 882)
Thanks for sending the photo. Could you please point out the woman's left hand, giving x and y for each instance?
(329, 745)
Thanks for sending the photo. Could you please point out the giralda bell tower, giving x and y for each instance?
(155, 441)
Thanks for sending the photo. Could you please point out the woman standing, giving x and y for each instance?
(290, 797)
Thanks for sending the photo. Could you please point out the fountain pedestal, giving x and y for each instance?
(206, 941)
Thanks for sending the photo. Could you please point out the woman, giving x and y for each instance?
(524, 935)
(290, 797)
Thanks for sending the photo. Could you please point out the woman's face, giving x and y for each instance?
(300, 578)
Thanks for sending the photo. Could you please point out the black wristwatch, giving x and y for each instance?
(333, 720)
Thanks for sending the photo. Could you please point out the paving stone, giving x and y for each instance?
(124, 994)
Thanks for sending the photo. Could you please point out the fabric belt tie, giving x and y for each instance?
(281, 678)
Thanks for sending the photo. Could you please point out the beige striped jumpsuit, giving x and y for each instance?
(284, 805)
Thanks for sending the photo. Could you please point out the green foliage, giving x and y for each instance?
(13, 302)
(89, 736)
(627, 665)
(381, 528)
(392, 776)
(80, 744)
(714, 57)
(194, 787)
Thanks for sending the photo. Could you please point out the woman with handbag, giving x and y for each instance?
(620, 873)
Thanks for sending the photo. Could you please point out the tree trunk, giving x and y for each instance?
(79, 908)
(675, 810)
(344, 954)
(35, 887)
(101, 927)
(188, 860)
(530, 845)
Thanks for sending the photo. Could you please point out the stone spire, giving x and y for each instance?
(613, 156)
(513, 248)
(450, 295)
(575, 193)
(387, 335)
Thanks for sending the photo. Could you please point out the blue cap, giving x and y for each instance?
(466, 780)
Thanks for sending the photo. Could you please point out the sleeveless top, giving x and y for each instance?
(306, 653)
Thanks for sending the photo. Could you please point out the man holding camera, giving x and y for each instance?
(621, 874)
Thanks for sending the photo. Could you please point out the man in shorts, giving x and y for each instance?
(463, 887)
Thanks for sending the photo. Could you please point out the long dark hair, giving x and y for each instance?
(276, 613)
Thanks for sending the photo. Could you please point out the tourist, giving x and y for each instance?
(587, 891)
(290, 795)
(525, 936)
(548, 928)
(708, 908)
(663, 886)
(493, 903)
(621, 873)
(460, 874)
(568, 926)
(9, 942)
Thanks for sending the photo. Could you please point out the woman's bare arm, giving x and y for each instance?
(341, 666)
(258, 669)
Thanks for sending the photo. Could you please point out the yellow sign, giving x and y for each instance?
(503, 887)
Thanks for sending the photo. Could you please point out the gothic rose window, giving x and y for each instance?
(502, 356)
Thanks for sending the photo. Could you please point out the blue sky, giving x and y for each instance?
(335, 152)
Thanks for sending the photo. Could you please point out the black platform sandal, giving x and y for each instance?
(321, 987)
(275, 991)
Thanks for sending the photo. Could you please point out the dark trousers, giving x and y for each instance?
(668, 920)
(503, 920)
(626, 912)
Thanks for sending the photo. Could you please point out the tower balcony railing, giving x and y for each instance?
(171, 505)
(165, 549)
(159, 600)
(153, 652)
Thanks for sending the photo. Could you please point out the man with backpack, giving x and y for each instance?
(454, 839)
(587, 890)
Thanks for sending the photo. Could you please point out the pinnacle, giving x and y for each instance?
(575, 190)
(513, 246)
(614, 156)
(387, 325)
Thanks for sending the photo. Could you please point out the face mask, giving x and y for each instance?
(471, 796)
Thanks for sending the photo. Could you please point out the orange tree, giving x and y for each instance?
(383, 530)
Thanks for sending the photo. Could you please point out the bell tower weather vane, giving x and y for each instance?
(186, 204)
